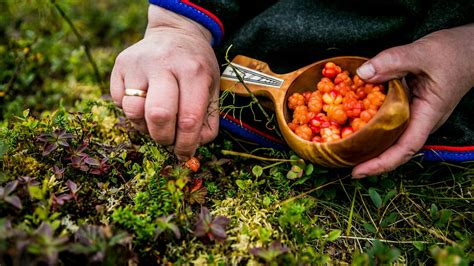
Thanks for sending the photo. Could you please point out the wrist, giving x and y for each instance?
(160, 18)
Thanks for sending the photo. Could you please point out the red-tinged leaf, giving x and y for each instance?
(44, 229)
(72, 186)
(49, 148)
(218, 232)
(201, 228)
(276, 245)
(197, 184)
(59, 172)
(166, 171)
(61, 199)
(28, 181)
(92, 161)
(15, 201)
(76, 161)
(63, 142)
(67, 136)
(221, 220)
(10, 187)
(45, 137)
(205, 215)
(96, 172)
(175, 230)
(198, 196)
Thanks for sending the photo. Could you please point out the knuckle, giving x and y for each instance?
(393, 56)
(189, 123)
(194, 67)
(159, 115)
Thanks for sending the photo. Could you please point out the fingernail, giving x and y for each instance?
(358, 176)
(366, 71)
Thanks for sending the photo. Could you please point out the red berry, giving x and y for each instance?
(304, 132)
(346, 132)
(295, 100)
(330, 70)
(193, 164)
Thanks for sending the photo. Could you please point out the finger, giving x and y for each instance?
(409, 143)
(392, 63)
(117, 87)
(193, 102)
(134, 106)
(211, 121)
(161, 108)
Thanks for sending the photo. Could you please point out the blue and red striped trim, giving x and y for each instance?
(196, 13)
(431, 153)
(243, 130)
(440, 153)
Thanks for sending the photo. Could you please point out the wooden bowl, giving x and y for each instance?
(371, 140)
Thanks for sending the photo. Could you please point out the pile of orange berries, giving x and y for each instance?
(338, 107)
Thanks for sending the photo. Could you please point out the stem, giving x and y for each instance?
(251, 156)
(82, 42)
(272, 165)
(432, 232)
(254, 98)
(368, 213)
(389, 241)
(351, 213)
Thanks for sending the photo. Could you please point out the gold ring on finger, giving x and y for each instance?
(135, 92)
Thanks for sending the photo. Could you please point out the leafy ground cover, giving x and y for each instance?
(79, 185)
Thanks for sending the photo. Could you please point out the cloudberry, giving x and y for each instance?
(330, 70)
(332, 97)
(367, 114)
(315, 103)
(357, 124)
(325, 85)
(337, 114)
(304, 132)
(346, 132)
(193, 164)
(296, 99)
(343, 78)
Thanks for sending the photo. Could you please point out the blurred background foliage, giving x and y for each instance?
(43, 62)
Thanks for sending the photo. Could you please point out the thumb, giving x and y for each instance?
(392, 63)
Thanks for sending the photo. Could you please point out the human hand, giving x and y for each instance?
(177, 67)
(439, 70)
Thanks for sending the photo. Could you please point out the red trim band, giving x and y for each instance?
(207, 12)
(448, 148)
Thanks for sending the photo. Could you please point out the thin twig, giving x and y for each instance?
(254, 98)
(432, 232)
(251, 156)
(82, 42)
(390, 241)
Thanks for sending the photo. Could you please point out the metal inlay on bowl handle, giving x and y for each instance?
(251, 76)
